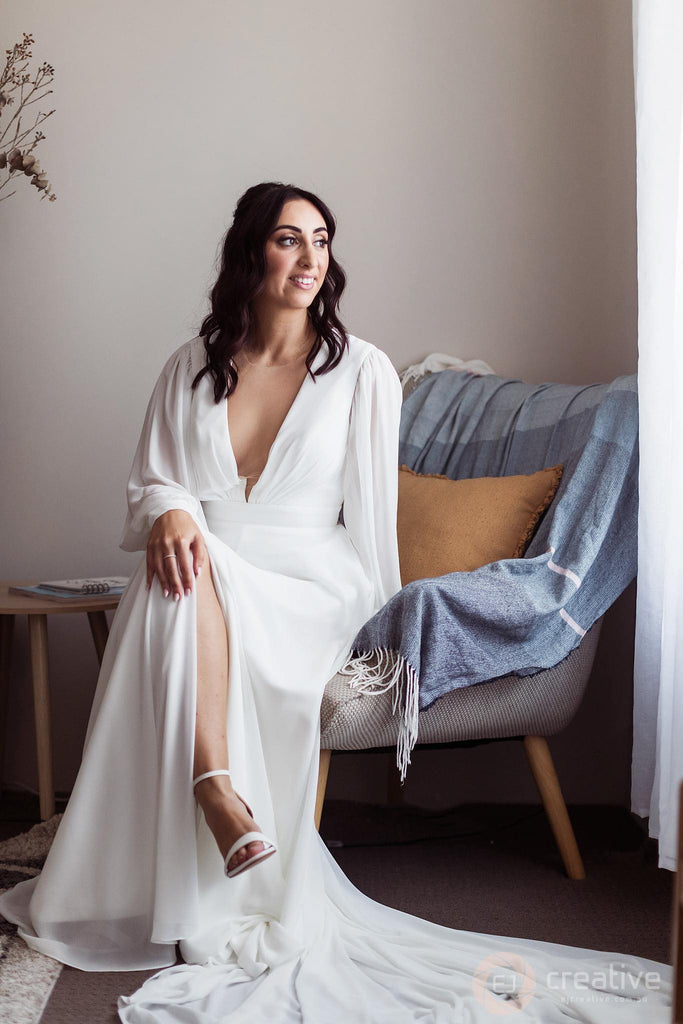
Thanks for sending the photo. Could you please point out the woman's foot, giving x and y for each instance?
(227, 817)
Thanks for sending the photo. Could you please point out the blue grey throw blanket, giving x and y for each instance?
(516, 615)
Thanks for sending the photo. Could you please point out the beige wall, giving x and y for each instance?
(479, 155)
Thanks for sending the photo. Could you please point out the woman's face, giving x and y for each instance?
(297, 257)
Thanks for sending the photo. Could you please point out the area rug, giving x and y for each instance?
(26, 977)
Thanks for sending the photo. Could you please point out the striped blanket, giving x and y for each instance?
(515, 615)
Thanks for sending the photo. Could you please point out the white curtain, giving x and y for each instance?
(658, 701)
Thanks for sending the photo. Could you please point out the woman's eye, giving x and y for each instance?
(321, 242)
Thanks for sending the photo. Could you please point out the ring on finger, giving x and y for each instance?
(170, 556)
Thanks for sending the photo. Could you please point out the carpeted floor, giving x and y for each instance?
(492, 869)
(26, 977)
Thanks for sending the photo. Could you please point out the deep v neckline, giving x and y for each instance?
(275, 439)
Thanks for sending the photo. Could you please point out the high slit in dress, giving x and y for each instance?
(134, 869)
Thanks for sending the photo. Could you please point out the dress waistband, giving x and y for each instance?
(265, 514)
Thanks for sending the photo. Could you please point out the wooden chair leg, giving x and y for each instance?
(325, 756)
(544, 773)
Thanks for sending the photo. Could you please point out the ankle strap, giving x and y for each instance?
(206, 775)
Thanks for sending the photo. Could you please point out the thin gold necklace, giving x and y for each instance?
(275, 366)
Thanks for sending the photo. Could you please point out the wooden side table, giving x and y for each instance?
(37, 610)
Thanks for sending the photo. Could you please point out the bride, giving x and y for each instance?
(263, 494)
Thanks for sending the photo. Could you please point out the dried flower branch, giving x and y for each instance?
(19, 89)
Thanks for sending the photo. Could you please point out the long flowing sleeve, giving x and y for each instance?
(161, 474)
(371, 473)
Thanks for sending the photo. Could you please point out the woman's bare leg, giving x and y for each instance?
(225, 813)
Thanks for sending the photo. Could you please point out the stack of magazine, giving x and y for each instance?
(75, 590)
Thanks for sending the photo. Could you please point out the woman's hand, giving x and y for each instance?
(175, 534)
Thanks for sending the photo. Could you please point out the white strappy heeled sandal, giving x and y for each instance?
(248, 837)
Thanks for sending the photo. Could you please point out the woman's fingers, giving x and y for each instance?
(172, 572)
(165, 562)
(176, 570)
(184, 566)
(198, 549)
(175, 554)
(173, 589)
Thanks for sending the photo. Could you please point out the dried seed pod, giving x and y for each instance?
(15, 160)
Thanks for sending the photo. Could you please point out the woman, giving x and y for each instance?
(291, 312)
(244, 606)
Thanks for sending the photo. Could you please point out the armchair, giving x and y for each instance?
(530, 707)
(526, 708)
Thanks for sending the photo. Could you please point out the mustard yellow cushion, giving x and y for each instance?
(457, 525)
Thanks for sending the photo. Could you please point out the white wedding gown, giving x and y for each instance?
(133, 868)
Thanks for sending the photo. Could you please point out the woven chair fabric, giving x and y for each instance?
(537, 705)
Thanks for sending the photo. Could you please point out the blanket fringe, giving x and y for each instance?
(382, 669)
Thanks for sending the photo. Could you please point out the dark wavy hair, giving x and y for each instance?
(243, 270)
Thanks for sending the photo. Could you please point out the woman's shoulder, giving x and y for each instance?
(370, 358)
(358, 346)
(189, 357)
(362, 349)
(195, 354)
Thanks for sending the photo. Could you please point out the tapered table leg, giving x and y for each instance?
(6, 630)
(37, 628)
(100, 632)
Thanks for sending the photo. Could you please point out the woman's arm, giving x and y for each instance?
(371, 473)
(164, 512)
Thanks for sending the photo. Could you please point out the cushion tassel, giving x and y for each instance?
(379, 670)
